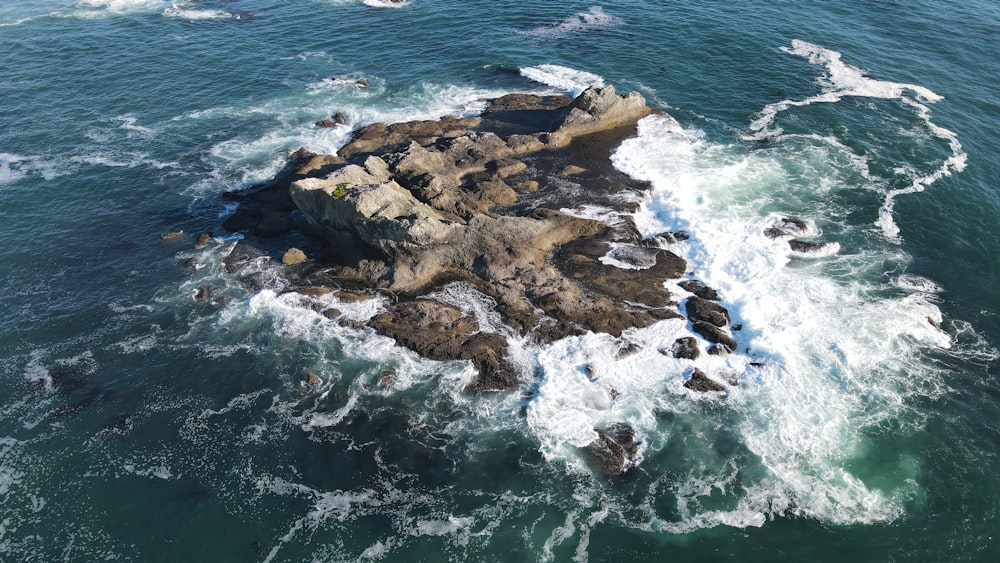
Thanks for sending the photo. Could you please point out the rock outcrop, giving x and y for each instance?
(614, 450)
(485, 201)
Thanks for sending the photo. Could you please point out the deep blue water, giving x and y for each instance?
(139, 424)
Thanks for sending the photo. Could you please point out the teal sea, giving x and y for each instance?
(138, 423)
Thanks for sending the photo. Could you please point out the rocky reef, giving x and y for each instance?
(497, 203)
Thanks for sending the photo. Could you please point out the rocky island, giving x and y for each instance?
(494, 202)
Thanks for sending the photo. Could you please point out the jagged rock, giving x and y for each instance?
(785, 227)
(719, 350)
(664, 239)
(202, 294)
(242, 255)
(702, 383)
(700, 309)
(685, 348)
(699, 289)
(441, 332)
(600, 108)
(807, 247)
(714, 334)
(614, 450)
(409, 207)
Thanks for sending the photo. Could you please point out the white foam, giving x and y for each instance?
(10, 175)
(120, 6)
(385, 3)
(15, 167)
(629, 257)
(128, 123)
(838, 357)
(593, 19)
(444, 527)
(563, 79)
(183, 10)
(472, 302)
(9, 477)
(844, 80)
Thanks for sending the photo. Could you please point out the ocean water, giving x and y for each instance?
(862, 417)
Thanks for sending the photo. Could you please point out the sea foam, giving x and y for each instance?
(839, 355)
(581, 22)
(562, 79)
(842, 80)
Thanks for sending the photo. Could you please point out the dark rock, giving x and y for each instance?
(685, 348)
(664, 239)
(774, 232)
(309, 377)
(441, 332)
(203, 239)
(386, 377)
(699, 309)
(793, 224)
(242, 255)
(720, 350)
(699, 289)
(626, 349)
(807, 247)
(714, 334)
(191, 263)
(701, 383)
(614, 450)
(202, 294)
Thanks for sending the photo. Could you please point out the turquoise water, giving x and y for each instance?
(139, 424)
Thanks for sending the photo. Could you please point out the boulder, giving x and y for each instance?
(700, 309)
(714, 334)
(685, 348)
(699, 289)
(293, 256)
(614, 450)
(807, 247)
(701, 383)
